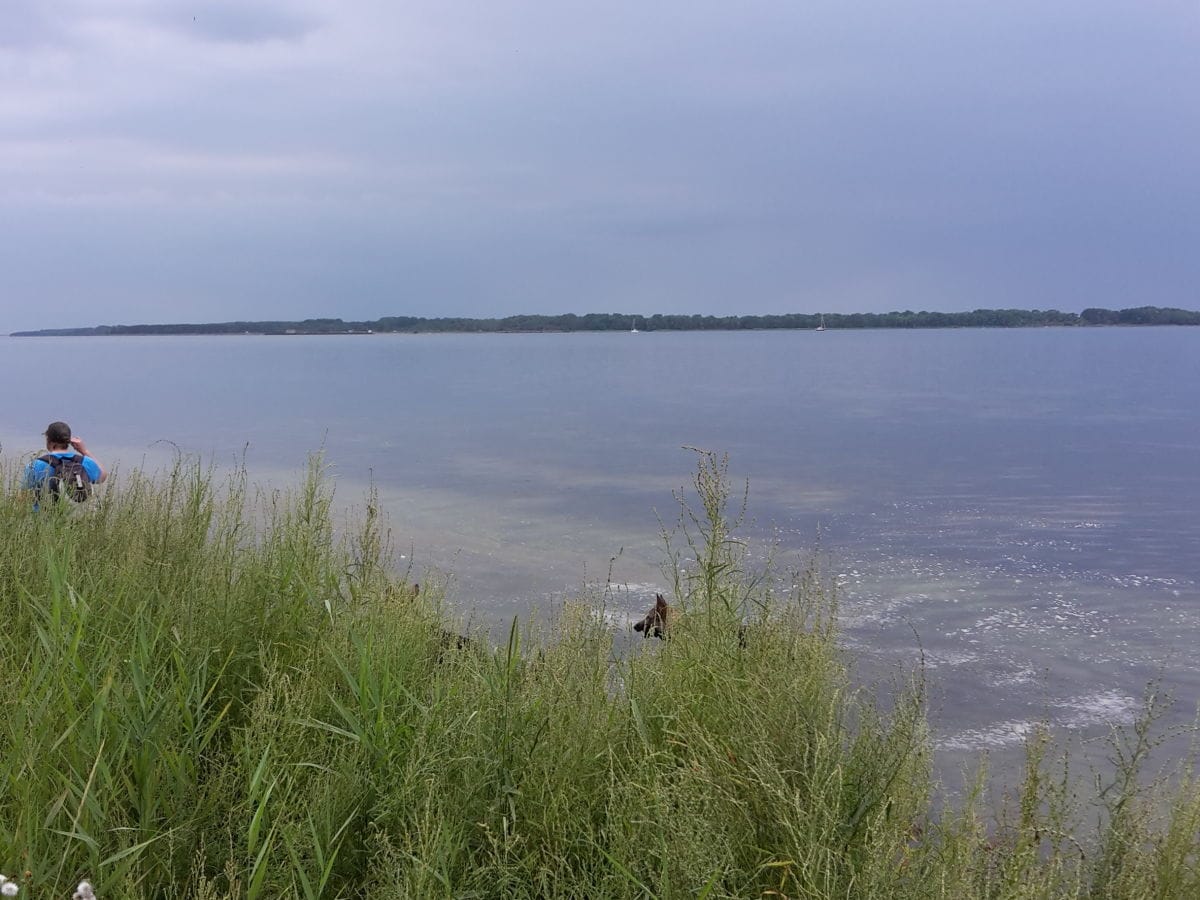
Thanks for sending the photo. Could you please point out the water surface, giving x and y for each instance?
(1018, 505)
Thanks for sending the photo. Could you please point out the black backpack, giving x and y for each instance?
(67, 478)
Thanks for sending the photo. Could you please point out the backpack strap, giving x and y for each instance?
(54, 462)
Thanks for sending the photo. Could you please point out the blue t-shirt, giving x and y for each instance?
(38, 471)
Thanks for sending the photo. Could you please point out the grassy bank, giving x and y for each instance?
(211, 692)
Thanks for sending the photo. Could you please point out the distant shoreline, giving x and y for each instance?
(593, 322)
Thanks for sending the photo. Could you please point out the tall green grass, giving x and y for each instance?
(211, 691)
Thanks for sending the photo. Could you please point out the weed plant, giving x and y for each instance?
(209, 692)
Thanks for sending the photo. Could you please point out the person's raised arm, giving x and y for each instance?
(81, 448)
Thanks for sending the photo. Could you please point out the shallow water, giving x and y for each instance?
(1017, 506)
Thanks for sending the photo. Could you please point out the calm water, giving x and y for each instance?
(1024, 502)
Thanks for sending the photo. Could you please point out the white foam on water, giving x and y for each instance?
(617, 619)
(1107, 707)
(634, 589)
(1110, 707)
(934, 660)
(1002, 734)
(1021, 676)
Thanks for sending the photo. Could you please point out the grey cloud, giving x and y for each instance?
(371, 158)
(26, 24)
(234, 22)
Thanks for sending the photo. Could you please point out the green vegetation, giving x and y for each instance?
(210, 691)
(980, 318)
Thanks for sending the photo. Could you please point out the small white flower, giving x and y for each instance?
(83, 892)
(9, 889)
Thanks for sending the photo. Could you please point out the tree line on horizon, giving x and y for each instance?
(570, 322)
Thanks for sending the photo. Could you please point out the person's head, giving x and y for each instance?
(58, 436)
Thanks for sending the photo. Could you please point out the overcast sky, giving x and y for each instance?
(168, 161)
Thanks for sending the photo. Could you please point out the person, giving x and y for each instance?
(59, 459)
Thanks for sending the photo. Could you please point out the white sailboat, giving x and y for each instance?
(821, 327)
(633, 326)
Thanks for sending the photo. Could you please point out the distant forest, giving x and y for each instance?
(980, 318)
